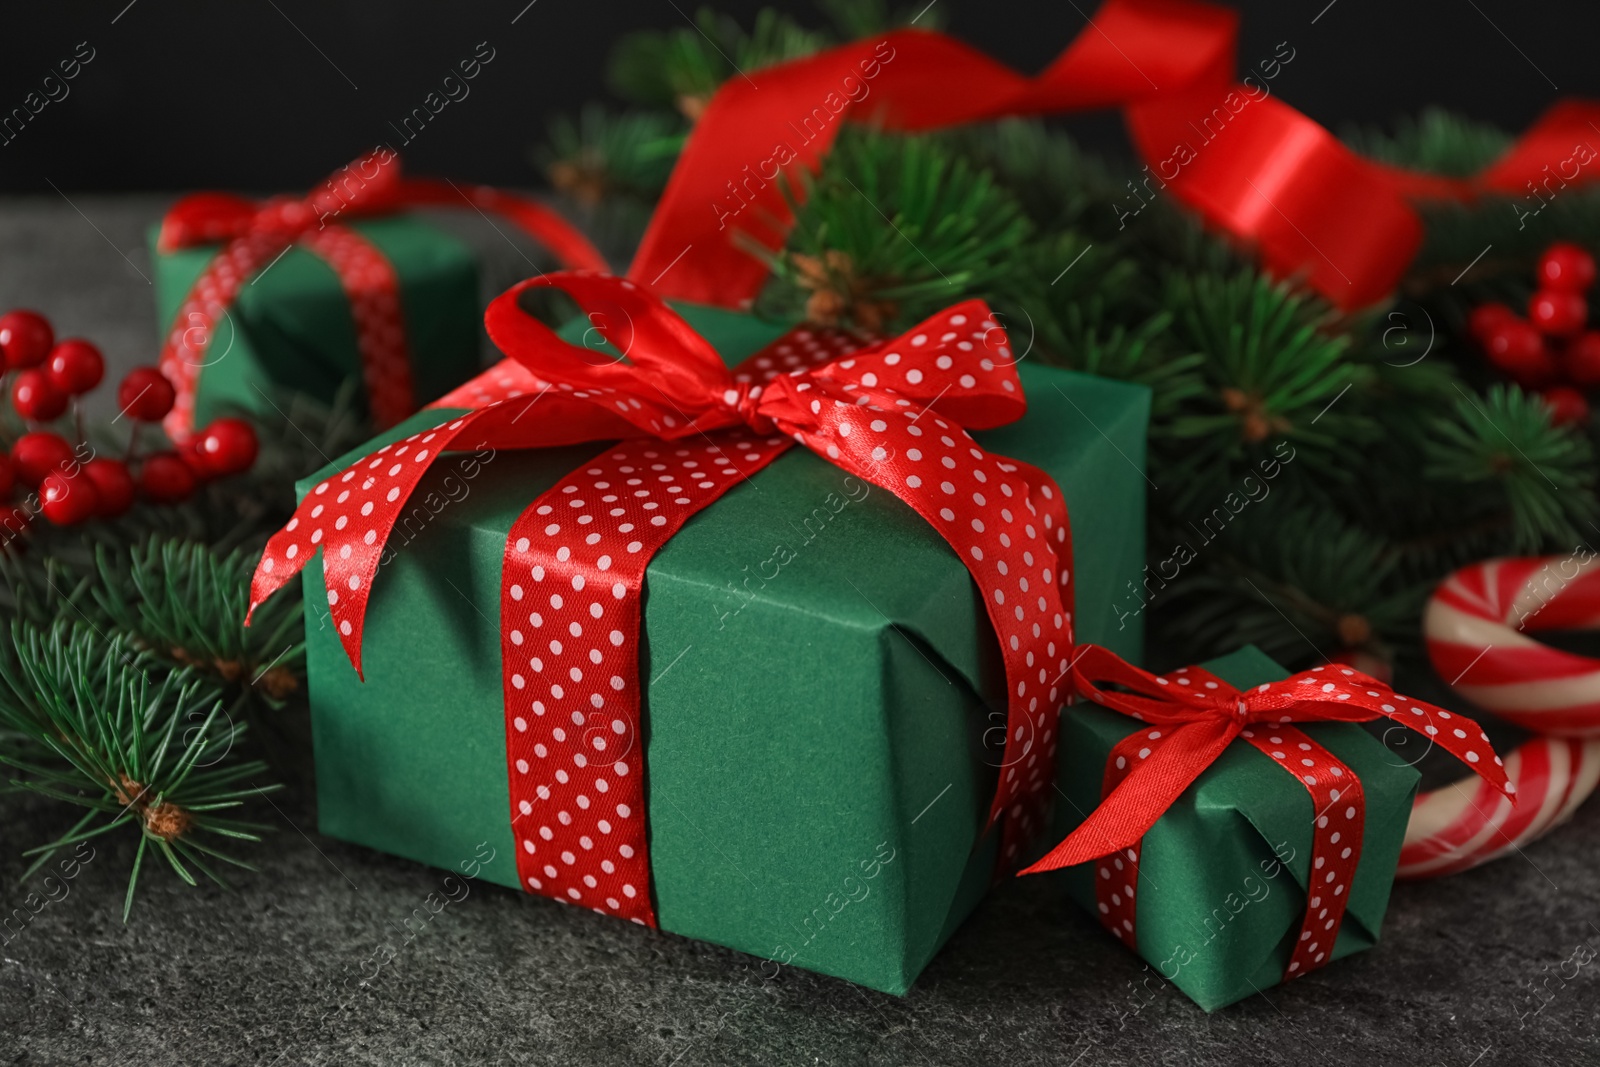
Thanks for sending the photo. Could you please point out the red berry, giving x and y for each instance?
(166, 478)
(113, 485)
(1567, 266)
(75, 366)
(227, 446)
(1483, 319)
(1558, 312)
(1518, 349)
(1567, 406)
(145, 395)
(194, 459)
(25, 337)
(37, 454)
(67, 500)
(1581, 360)
(35, 398)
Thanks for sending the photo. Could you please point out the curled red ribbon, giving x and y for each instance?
(1189, 717)
(892, 412)
(254, 235)
(1250, 165)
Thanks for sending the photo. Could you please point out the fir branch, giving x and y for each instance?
(110, 731)
(683, 67)
(188, 604)
(603, 154)
(1078, 318)
(892, 231)
(1297, 581)
(1436, 141)
(1272, 371)
(611, 166)
(864, 18)
(1502, 447)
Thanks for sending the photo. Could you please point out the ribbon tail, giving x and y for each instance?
(351, 515)
(1140, 799)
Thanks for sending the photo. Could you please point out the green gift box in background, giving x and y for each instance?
(291, 329)
(1223, 875)
(816, 775)
(301, 295)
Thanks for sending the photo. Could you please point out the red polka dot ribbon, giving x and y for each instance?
(1189, 717)
(892, 412)
(253, 236)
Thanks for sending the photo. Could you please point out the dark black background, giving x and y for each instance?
(273, 94)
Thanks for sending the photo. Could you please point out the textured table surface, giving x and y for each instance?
(1472, 970)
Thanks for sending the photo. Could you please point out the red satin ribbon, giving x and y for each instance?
(892, 412)
(1189, 717)
(1251, 166)
(254, 235)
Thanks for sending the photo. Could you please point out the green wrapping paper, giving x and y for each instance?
(291, 329)
(1222, 875)
(821, 676)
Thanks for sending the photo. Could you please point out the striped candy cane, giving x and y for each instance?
(1477, 630)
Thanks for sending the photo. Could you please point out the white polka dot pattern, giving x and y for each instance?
(570, 644)
(575, 559)
(1339, 809)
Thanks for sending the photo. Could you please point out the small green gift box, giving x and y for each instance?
(292, 328)
(302, 294)
(821, 681)
(1217, 901)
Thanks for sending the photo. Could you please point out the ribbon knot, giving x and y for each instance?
(744, 400)
(669, 382)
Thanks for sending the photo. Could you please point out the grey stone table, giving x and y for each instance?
(1470, 971)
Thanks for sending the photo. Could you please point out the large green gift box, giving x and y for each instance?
(820, 675)
(1222, 876)
(292, 330)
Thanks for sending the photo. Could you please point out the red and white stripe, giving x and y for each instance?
(1468, 822)
(1477, 630)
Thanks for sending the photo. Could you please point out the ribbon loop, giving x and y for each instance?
(665, 378)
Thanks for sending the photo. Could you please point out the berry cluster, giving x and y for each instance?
(1551, 350)
(73, 484)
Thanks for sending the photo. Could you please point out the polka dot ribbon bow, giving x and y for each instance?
(895, 413)
(254, 235)
(1191, 716)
